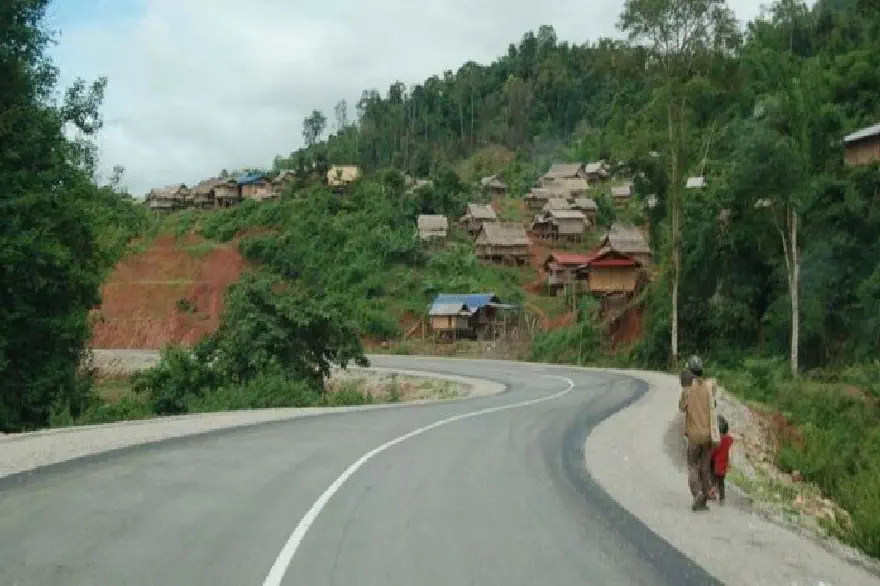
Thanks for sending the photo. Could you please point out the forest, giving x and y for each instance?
(759, 110)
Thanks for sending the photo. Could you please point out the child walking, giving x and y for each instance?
(719, 459)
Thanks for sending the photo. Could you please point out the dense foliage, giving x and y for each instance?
(763, 121)
(59, 232)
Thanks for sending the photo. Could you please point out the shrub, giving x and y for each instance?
(266, 391)
(179, 376)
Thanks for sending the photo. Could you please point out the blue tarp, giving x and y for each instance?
(250, 178)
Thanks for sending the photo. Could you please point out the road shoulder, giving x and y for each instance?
(636, 456)
(26, 452)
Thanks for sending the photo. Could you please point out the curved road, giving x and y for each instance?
(482, 491)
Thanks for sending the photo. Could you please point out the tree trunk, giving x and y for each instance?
(794, 288)
(675, 210)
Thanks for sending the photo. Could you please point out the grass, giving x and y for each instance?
(831, 435)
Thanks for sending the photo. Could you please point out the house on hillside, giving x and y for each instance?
(486, 316)
(203, 195)
(621, 194)
(562, 270)
(493, 186)
(572, 188)
(562, 171)
(433, 227)
(537, 198)
(556, 203)
(282, 181)
(695, 183)
(476, 216)
(588, 207)
(256, 186)
(557, 225)
(610, 271)
(341, 176)
(227, 193)
(863, 146)
(415, 184)
(504, 243)
(596, 172)
(168, 199)
(451, 321)
(629, 240)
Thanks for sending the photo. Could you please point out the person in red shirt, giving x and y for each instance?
(720, 457)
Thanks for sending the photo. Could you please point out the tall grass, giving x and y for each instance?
(836, 443)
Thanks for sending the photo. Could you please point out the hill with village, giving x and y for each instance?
(621, 203)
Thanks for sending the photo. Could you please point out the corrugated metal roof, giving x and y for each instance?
(448, 309)
(250, 178)
(473, 301)
(862, 134)
(696, 182)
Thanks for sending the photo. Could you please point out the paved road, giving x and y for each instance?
(500, 497)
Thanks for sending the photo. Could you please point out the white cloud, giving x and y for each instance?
(201, 85)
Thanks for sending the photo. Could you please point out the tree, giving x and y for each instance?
(313, 127)
(341, 112)
(52, 223)
(680, 35)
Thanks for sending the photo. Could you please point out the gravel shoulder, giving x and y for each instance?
(637, 455)
(20, 453)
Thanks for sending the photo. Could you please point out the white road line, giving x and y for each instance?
(282, 562)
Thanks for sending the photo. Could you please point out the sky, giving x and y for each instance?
(197, 86)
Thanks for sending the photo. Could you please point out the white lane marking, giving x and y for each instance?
(282, 562)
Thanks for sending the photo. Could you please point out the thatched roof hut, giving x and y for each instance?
(432, 226)
(629, 240)
(504, 242)
(585, 204)
(476, 216)
(168, 198)
(560, 171)
(203, 194)
(596, 171)
(493, 184)
(556, 203)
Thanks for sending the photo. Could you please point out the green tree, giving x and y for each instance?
(51, 255)
(681, 35)
(313, 127)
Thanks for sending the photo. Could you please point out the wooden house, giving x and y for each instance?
(256, 187)
(596, 172)
(862, 147)
(416, 184)
(621, 194)
(588, 207)
(451, 320)
(433, 227)
(203, 195)
(476, 216)
(506, 243)
(561, 172)
(282, 181)
(629, 240)
(493, 186)
(168, 199)
(483, 314)
(562, 270)
(560, 225)
(227, 193)
(537, 198)
(610, 271)
(556, 203)
(341, 176)
(572, 188)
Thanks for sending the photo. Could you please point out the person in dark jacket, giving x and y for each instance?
(696, 403)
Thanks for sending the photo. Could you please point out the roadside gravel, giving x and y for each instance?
(28, 451)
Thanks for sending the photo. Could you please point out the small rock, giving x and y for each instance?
(796, 476)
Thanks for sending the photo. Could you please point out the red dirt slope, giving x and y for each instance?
(142, 297)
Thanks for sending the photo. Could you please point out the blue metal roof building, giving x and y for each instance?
(250, 178)
(474, 301)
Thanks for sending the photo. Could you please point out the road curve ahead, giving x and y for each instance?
(484, 491)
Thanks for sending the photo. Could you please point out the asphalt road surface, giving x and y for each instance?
(486, 491)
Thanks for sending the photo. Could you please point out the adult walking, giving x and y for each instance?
(697, 402)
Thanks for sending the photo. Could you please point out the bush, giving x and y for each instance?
(266, 391)
(178, 378)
